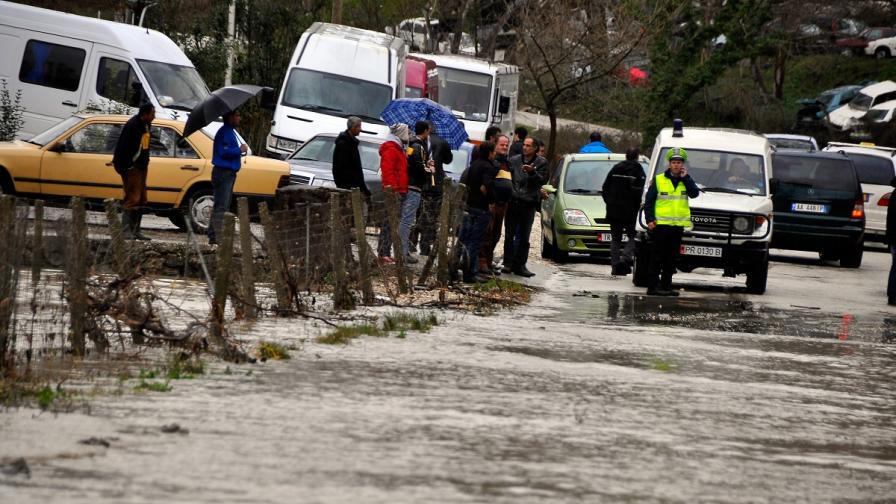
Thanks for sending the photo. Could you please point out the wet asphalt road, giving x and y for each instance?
(592, 393)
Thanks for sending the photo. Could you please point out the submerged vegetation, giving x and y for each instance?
(397, 323)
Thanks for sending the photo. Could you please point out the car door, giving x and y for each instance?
(82, 165)
(52, 76)
(875, 173)
(548, 204)
(173, 163)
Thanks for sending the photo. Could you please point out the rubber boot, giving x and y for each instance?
(137, 219)
(127, 225)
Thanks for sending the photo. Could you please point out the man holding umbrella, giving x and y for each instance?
(226, 161)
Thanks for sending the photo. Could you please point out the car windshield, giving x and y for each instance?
(175, 86)
(336, 95)
(873, 169)
(792, 143)
(721, 171)
(826, 98)
(320, 149)
(814, 172)
(54, 131)
(876, 114)
(861, 102)
(587, 177)
(467, 94)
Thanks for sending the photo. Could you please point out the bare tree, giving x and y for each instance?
(567, 45)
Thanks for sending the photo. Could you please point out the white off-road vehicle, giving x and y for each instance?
(731, 220)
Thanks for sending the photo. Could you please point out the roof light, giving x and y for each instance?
(867, 144)
(677, 128)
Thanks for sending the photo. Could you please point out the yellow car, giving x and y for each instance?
(73, 158)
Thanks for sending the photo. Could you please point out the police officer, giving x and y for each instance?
(667, 213)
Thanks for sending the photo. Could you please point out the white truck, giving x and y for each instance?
(731, 222)
(480, 93)
(336, 71)
(63, 63)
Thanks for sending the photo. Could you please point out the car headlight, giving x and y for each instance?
(741, 224)
(323, 183)
(575, 217)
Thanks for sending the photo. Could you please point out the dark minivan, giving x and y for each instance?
(819, 205)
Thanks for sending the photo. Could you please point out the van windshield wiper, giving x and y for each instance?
(727, 190)
(369, 118)
(310, 106)
(582, 191)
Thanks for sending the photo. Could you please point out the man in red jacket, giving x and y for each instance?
(394, 174)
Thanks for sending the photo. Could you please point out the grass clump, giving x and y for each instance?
(182, 367)
(661, 365)
(152, 386)
(268, 350)
(399, 323)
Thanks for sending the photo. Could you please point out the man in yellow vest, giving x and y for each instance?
(667, 213)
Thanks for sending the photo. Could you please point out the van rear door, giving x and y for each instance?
(52, 75)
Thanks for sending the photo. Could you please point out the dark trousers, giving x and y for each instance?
(891, 284)
(424, 231)
(471, 233)
(134, 183)
(492, 235)
(222, 191)
(618, 255)
(665, 247)
(384, 243)
(517, 228)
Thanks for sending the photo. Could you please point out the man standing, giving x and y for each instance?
(420, 173)
(476, 216)
(347, 170)
(431, 196)
(394, 173)
(519, 135)
(622, 193)
(227, 155)
(131, 161)
(529, 172)
(596, 146)
(667, 214)
(499, 183)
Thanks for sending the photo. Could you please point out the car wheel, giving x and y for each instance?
(197, 206)
(547, 250)
(758, 278)
(852, 257)
(882, 52)
(640, 275)
(560, 256)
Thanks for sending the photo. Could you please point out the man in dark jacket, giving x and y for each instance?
(529, 172)
(476, 217)
(891, 241)
(347, 170)
(131, 161)
(499, 183)
(428, 213)
(420, 173)
(622, 194)
(519, 136)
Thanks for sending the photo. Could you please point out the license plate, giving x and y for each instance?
(810, 208)
(608, 237)
(699, 250)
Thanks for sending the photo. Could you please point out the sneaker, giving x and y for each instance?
(618, 270)
(409, 259)
(386, 260)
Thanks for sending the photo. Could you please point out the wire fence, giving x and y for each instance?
(73, 285)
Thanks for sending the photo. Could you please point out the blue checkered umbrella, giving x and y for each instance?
(411, 110)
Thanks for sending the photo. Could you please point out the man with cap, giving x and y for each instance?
(667, 214)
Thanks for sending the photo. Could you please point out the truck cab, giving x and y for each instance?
(731, 220)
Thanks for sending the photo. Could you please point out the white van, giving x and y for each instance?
(336, 71)
(65, 63)
(480, 93)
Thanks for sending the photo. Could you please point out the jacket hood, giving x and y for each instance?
(394, 139)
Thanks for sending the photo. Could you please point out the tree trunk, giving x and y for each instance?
(757, 77)
(459, 27)
(336, 16)
(780, 67)
(552, 137)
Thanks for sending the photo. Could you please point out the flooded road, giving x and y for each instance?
(593, 392)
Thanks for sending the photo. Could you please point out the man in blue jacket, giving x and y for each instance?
(596, 146)
(226, 161)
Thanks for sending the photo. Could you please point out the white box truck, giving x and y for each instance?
(480, 93)
(336, 71)
(64, 63)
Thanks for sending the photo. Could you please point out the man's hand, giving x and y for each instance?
(651, 225)
(684, 171)
(528, 168)
(244, 148)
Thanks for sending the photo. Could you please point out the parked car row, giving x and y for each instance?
(857, 112)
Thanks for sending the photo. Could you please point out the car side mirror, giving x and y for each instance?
(58, 147)
(773, 185)
(504, 105)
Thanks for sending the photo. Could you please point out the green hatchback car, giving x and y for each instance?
(573, 216)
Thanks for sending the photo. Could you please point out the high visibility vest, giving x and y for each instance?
(671, 203)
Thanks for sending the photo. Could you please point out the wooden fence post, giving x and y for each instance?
(275, 259)
(248, 276)
(393, 208)
(363, 247)
(7, 286)
(77, 273)
(116, 235)
(458, 201)
(222, 280)
(342, 298)
(37, 242)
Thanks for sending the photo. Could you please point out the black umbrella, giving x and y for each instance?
(220, 102)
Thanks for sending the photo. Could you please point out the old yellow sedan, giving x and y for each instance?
(73, 158)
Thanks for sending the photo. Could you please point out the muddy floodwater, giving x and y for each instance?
(591, 393)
